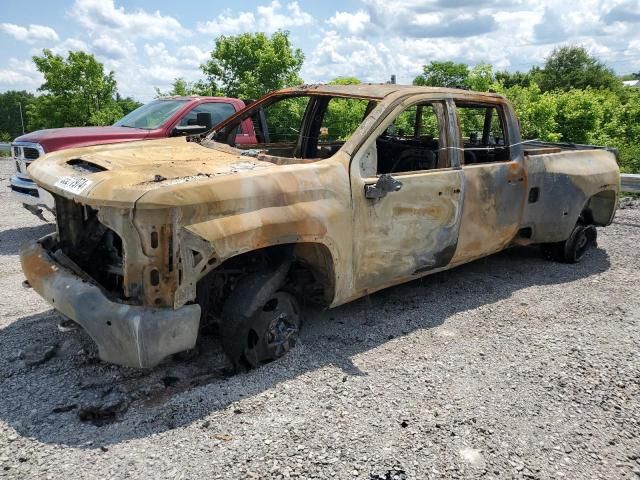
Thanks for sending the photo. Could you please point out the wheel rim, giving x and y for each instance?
(273, 331)
(582, 244)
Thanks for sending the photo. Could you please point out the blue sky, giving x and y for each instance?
(148, 43)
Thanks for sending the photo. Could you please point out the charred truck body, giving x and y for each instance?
(347, 190)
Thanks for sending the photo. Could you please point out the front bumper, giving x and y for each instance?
(29, 193)
(129, 335)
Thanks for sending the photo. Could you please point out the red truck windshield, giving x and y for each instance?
(151, 115)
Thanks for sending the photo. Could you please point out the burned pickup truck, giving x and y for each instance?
(347, 190)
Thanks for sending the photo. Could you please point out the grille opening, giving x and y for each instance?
(30, 153)
(94, 247)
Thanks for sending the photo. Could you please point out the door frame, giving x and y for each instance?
(500, 184)
(453, 188)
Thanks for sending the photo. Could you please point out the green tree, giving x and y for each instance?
(181, 88)
(630, 76)
(579, 115)
(11, 102)
(443, 74)
(74, 90)
(252, 64)
(481, 77)
(536, 112)
(114, 111)
(512, 79)
(127, 104)
(572, 67)
(345, 81)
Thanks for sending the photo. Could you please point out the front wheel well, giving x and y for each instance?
(311, 276)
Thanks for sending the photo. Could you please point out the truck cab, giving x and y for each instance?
(161, 118)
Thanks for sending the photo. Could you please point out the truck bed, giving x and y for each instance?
(532, 148)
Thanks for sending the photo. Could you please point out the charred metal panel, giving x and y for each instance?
(297, 204)
(129, 335)
(493, 202)
(566, 182)
(408, 232)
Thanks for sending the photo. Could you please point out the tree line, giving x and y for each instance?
(573, 97)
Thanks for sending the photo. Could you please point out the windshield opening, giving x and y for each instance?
(152, 115)
(300, 126)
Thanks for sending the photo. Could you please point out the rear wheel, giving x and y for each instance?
(575, 247)
(266, 334)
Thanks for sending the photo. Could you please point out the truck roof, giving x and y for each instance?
(196, 97)
(380, 90)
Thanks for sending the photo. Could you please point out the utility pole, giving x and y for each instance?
(21, 119)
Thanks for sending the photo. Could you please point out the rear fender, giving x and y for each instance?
(562, 186)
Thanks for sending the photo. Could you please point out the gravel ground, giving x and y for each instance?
(509, 367)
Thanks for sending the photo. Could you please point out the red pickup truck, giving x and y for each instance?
(164, 117)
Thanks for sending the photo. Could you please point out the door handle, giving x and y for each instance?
(385, 184)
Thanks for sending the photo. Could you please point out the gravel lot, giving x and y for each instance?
(509, 367)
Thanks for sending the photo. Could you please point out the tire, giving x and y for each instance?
(264, 335)
(575, 247)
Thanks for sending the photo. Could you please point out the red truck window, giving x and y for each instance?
(218, 110)
(151, 115)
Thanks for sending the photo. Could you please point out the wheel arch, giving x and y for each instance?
(599, 209)
(311, 274)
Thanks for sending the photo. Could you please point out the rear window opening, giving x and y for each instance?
(482, 131)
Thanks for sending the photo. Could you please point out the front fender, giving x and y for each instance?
(300, 204)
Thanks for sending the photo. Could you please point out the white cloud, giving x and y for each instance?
(165, 66)
(354, 23)
(72, 44)
(188, 56)
(399, 36)
(192, 56)
(31, 34)
(20, 74)
(336, 56)
(102, 16)
(112, 47)
(272, 17)
(373, 40)
(268, 18)
(225, 23)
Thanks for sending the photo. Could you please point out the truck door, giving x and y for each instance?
(493, 177)
(407, 191)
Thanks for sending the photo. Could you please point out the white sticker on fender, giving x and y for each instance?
(73, 184)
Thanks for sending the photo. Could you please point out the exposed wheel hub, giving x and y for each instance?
(272, 331)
